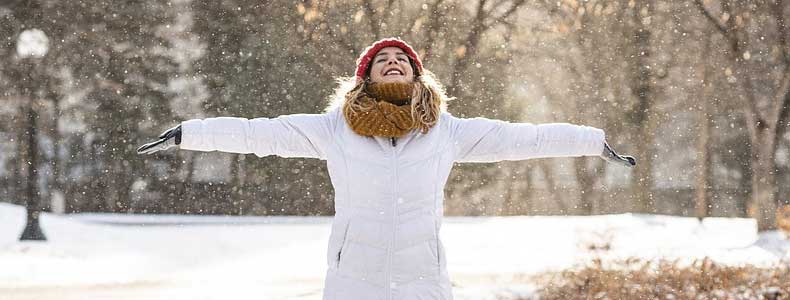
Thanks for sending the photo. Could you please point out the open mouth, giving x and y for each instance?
(392, 72)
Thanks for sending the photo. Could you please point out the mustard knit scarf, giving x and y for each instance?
(386, 111)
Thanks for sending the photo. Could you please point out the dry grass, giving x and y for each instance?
(635, 279)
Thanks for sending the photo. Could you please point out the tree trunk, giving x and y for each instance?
(509, 204)
(702, 194)
(644, 115)
(189, 164)
(703, 182)
(519, 185)
(468, 50)
(234, 169)
(17, 166)
(373, 20)
(762, 120)
(434, 26)
(551, 185)
(586, 179)
(57, 199)
(528, 191)
(762, 206)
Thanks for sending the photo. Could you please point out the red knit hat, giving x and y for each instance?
(364, 60)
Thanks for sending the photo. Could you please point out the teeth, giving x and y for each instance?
(393, 72)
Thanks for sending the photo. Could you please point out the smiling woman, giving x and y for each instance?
(392, 93)
(389, 145)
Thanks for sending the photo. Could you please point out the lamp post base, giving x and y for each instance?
(32, 230)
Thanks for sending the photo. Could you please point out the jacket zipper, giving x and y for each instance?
(389, 284)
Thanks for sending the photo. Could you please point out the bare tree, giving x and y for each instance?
(434, 25)
(704, 161)
(593, 87)
(484, 19)
(642, 113)
(742, 24)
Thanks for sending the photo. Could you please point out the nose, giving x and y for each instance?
(392, 60)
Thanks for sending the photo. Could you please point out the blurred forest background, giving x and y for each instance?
(697, 90)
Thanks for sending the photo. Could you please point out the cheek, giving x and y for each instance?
(374, 76)
(410, 74)
(375, 71)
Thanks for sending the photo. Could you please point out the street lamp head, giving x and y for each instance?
(32, 43)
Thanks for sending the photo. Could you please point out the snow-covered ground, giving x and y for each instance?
(104, 256)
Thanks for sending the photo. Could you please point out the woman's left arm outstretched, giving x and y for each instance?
(487, 140)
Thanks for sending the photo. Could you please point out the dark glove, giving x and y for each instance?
(167, 140)
(611, 156)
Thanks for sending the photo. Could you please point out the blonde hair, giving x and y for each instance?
(429, 98)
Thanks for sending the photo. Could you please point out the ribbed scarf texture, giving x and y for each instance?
(386, 111)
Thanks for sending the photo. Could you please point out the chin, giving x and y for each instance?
(394, 80)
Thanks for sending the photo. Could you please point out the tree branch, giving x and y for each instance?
(344, 42)
(371, 12)
(780, 100)
(750, 111)
(722, 29)
(470, 43)
(435, 17)
(412, 22)
(780, 111)
(778, 11)
(513, 8)
(781, 124)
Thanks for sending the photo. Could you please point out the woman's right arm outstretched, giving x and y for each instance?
(298, 135)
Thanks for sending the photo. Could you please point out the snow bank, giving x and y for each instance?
(188, 257)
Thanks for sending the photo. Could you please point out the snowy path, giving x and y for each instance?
(92, 256)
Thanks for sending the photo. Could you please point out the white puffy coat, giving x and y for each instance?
(384, 243)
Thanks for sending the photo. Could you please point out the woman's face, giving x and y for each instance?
(391, 65)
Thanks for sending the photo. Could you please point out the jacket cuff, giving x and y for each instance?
(597, 141)
(191, 139)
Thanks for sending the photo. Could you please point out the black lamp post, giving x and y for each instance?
(32, 45)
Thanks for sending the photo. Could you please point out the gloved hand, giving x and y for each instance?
(611, 156)
(168, 139)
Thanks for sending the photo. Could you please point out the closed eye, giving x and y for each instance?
(383, 59)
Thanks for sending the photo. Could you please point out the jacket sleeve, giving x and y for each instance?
(299, 135)
(486, 140)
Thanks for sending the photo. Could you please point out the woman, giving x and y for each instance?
(389, 147)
